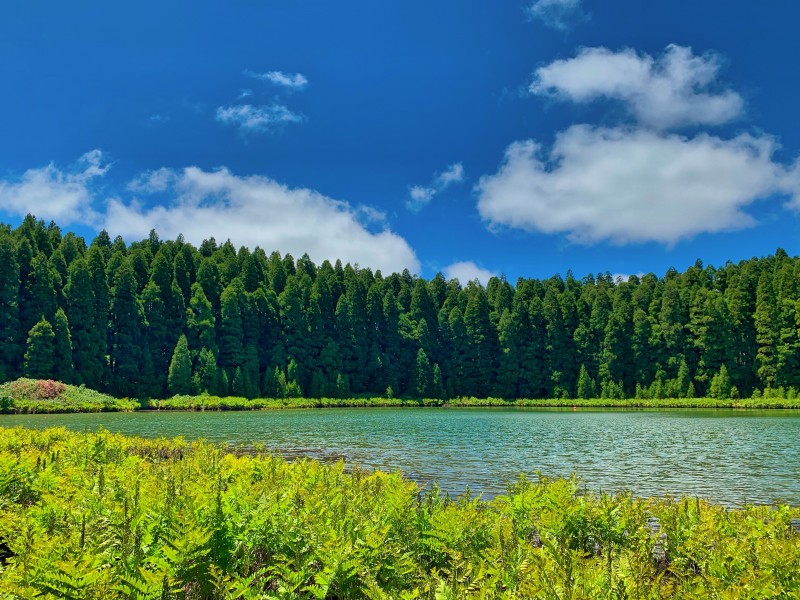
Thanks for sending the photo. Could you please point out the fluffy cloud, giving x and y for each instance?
(672, 90)
(295, 81)
(626, 185)
(152, 182)
(468, 271)
(559, 14)
(256, 119)
(257, 211)
(52, 193)
(421, 195)
(251, 211)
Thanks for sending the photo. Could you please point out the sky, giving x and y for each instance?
(524, 138)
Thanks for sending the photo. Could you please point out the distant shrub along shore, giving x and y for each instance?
(29, 396)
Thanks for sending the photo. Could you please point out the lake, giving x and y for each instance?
(727, 456)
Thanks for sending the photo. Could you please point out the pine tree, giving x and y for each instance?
(231, 330)
(482, 345)
(179, 379)
(39, 294)
(131, 368)
(207, 374)
(437, 389)
(10, 348)
(80, 309)
(720, 387)
(586, 386)
(63, 369)
(200, 321)
(767, 335)
(95, 374)
(342, 386)
(238, 386)
(39, 355)
(423, 376)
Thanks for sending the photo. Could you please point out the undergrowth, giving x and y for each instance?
(100, 515)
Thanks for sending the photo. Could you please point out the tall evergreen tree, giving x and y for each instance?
(131, 368)
(179, 379)
(63, 368)
(10, 347)
(39, 353)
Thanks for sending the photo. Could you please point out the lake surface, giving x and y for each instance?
(727, 456)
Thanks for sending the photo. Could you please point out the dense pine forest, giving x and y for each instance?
(157, 318)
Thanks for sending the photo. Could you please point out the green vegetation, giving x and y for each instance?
(48, 396)
(104, 516)
(28, 396)
(156, 318)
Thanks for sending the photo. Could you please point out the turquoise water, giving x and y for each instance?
(727, 456)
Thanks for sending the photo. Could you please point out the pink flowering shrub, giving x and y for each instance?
(47, 389)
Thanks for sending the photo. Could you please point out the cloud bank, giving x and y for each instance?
(251, 211)
(62, 196)
(640, 181)
(672, 90)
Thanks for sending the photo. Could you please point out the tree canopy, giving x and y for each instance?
(154, 317)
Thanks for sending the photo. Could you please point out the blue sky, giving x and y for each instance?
(526, 137)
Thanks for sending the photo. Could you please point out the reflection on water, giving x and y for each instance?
(727, 456)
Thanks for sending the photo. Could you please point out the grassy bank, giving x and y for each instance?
(105, 516)
(217, 403)
(28, 396)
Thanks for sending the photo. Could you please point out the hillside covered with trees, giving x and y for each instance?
(157, 318)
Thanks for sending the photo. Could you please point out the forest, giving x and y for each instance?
(157, 318)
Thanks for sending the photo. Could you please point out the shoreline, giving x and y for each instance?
(235, 404)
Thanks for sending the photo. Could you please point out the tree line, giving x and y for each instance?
(157, 318)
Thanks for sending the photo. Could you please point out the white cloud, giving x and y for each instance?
(467, 271)
(256, 119)
(672, 90)
(559, 14)
(257, 211)
(51, 193)
(453, 174)
(421, 195)
(251, 211)
(625, 185)
(152, 182)
(295, 81)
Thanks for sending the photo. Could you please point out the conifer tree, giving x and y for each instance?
(179, 378)
(40, 353)
(207, 374)
(238, 387)
(131, 369)
(586, 386)
(39, 294)
(10, 348)
(767, 334)
(437, 390)
(720, 387)
(63, 369)
(231, 330)
(423, 376)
